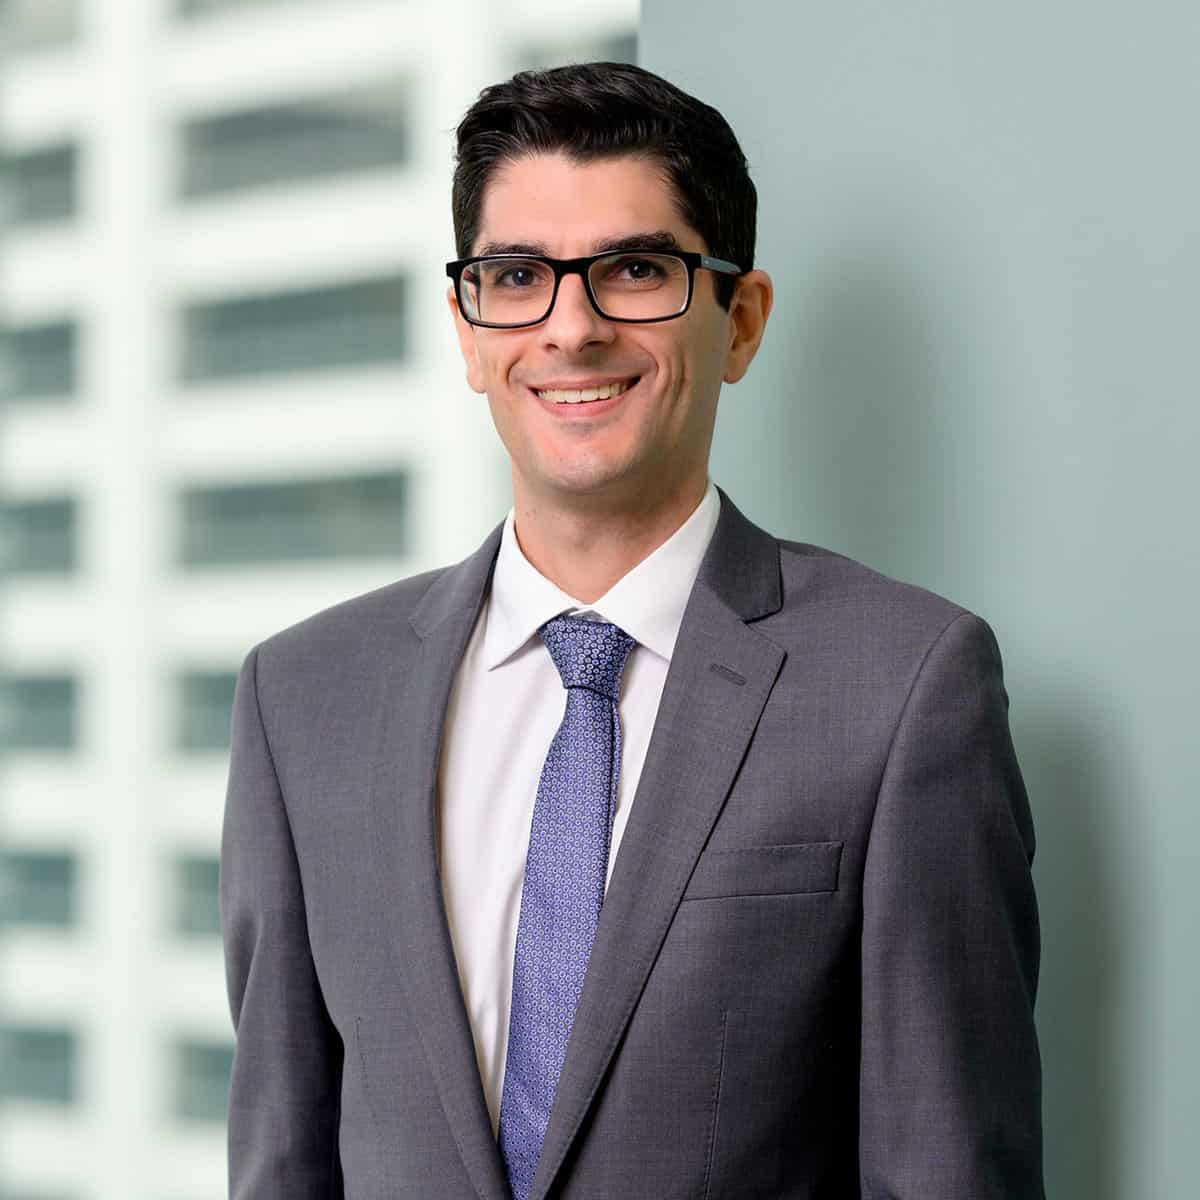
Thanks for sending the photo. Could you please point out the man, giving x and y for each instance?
(640, 854)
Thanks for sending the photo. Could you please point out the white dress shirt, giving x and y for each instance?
(505, 707)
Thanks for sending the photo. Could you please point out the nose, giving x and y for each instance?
(573, 323)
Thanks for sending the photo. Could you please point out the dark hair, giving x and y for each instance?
(604, 110)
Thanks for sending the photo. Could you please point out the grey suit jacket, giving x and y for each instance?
(815, 966)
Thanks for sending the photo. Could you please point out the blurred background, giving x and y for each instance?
(231, 396)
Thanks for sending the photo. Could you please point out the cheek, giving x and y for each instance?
(500, 357)
(706, 363)
(691, 359)
(512, 415)
(505, 414)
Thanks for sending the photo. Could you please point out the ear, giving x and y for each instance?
(748, 312)
(466, 343)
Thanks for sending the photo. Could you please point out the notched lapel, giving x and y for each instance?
(418, 679)
(722, 671)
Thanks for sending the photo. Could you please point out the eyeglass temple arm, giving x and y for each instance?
(720, 264)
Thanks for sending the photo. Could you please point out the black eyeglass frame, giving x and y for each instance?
(580, 266)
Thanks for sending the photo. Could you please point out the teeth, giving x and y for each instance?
(565, 396)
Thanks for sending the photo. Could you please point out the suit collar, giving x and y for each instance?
(647, 602)
(458, 589)
(740, 568)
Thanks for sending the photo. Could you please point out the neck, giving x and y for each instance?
(585, 549)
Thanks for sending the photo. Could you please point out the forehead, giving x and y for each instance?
(568, 207)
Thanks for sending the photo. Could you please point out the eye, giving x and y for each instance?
(640, 269)
(516, 277)
(632, 271)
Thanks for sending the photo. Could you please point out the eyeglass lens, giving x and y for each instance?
(519, 291)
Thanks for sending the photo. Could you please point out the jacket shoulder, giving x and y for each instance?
(843, 620)
(349, 629)
(832, 587)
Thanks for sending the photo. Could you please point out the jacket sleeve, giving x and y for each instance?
(950, 1082)
(284, 1094)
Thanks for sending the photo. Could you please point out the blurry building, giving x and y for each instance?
(230, 397)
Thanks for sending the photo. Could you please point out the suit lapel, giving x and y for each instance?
(413, 706)
(705, 721)
(720, 676)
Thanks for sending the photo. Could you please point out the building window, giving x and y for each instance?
(38, 1064)
(37, 888)
(39, 361)
(347, 517)
(37, 24)
(39, 712)
(38, 535)
(203, 8)
(202, 1071)
(37, 186)
(355, 130)
(345, 325)
(205, 704)
(196, 881)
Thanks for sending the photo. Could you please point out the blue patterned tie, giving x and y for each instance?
(564, 882)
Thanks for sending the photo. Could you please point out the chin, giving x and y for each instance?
(590, 478)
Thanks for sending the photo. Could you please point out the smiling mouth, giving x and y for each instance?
(587, 395)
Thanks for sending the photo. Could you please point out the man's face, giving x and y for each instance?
(654, 438)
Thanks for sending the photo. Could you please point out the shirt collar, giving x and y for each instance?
(647, 601)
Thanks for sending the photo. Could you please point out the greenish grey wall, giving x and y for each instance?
(983, 221)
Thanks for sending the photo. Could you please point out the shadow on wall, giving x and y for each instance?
(1072, 770)
(872, 395)
(862, 445)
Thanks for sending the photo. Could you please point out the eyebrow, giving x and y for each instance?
(660, 239)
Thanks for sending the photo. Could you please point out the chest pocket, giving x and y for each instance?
(782, 870)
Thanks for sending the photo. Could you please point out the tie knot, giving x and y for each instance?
(588, 654)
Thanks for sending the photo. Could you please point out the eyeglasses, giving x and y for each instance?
(509, 291)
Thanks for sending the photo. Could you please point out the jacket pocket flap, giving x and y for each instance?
(766, 871)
